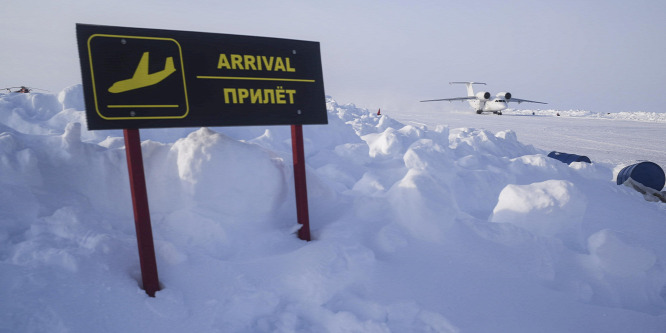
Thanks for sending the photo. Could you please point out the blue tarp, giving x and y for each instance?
(568, 158)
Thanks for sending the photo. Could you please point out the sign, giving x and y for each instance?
(146, 78)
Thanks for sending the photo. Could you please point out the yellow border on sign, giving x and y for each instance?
(92, 74)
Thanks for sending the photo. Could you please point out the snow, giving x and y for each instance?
(458, 228)
(613, 138)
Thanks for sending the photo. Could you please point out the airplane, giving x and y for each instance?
(482, 101)
(141, 77)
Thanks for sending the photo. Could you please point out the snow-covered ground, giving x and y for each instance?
(617, 138)
(466, 228)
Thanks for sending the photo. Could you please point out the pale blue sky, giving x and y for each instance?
(603, 56)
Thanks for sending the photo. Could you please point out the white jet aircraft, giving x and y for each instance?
(481, 101)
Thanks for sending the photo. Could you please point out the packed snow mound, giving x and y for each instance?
(415, 229)
(550, 208)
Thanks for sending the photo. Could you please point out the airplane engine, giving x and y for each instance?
(504, 95)
(483, 95)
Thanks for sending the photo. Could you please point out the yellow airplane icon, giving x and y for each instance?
(141, 77)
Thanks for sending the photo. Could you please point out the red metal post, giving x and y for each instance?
(298, 153)
(144, 232)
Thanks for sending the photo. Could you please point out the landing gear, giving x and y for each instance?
(479, 112)
(499, 113)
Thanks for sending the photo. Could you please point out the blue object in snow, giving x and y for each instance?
(646, 173)
(568, 158)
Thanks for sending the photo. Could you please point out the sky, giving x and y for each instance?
(583, 55)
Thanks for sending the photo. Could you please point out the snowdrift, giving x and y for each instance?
(415, 230)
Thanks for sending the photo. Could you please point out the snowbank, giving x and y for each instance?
(415, 230)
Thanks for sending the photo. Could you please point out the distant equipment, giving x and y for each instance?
(21, 89)
(568, 158)
(647, 173)
(483, 102)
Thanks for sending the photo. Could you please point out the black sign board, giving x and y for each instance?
(146, 78)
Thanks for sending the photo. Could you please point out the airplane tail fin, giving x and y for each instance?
(470, 90)
(168, 65)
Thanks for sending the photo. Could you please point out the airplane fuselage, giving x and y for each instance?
(495, 105)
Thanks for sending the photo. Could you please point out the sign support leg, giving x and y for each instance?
(144, 233)
(298, 153)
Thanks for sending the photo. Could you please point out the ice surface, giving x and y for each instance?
(416, 229)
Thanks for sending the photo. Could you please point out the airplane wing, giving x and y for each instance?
(451, 99)
(518, 100)
(142, 68)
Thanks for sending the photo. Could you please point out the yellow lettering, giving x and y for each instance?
(268, 64)
(279, 65)
(223, 62)
(291, 93)
(230, 92)
(236, 61)
(255, 96)
(269, 92)
(255, 63)
(259, 96)
(279, 95)
(249, 62)
(289, 68)
(242, 95)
